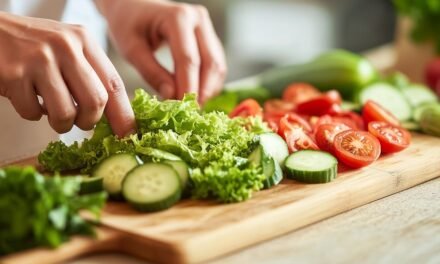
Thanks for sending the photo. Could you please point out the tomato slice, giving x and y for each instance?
(372, 111)
(321, 105)
(248, 107)
(278, 107)
(325, 135)
(291, 120)
(392, 138)
(272, 121)
(349, 117)
(356, 149)
(297, 139)
(297, 93)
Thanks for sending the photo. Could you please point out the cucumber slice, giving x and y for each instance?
(182, 170)
(152, 187)
(271, 168)
(418, 95)
(274, 146)
(91, 184)
(388, 97)
(417, 113)
(113, 170)
(312, 166)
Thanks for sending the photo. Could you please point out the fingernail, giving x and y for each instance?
(166, 90)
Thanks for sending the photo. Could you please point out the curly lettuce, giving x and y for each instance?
(213, 145)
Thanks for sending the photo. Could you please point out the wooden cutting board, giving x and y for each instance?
(194, 231)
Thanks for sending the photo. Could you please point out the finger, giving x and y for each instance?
(86, 89)
(213, 65)
(60, 107)
(118, 109)
(25, 101)
(183, 44)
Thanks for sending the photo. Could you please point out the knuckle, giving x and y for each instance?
(11, 76)
(44, 54)
(115, 85)
(189, 61)
(183, 12)
(97, 102)
(80, 31)
(65, 116)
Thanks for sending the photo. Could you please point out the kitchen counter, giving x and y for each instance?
(402, 228)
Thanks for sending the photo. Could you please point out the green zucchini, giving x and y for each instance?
(312, 166)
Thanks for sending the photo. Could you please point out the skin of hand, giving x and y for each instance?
(139, 27)
(67, 69)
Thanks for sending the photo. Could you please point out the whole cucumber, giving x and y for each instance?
(341, 70)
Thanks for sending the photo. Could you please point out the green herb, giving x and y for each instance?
(215, 146)
(425, 15)
(41, 211)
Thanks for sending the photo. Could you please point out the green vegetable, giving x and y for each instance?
(425, 16)
(417, 94)
(430, 121)
(41, 211)
(398, 80)
(339, 70)
(214, 146)
(417, 113)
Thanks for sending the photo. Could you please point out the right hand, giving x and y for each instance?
(63, 65)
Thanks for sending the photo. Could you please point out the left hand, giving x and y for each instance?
(139, 27)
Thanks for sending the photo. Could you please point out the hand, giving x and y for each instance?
(139, 27)
(60, 63)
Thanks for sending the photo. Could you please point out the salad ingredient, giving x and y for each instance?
(42, 211)
(90, 184)
(392, 138)
(312, 166)
(248, 107)
(373, 111)
(297, 139)
(152, 187)
(113, 170)
(277, 107)
(418, 94)
(325, 135)
(271, 169)
(388, 97)
(356, 149)
(292, 120)
(321, 105)
(417, 113)
(430, 121)
(341, 70)
(275, 147)
(297, 93)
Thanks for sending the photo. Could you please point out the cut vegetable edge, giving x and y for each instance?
(152, 187)
(312, 166)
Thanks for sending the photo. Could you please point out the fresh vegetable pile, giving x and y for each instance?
(208, 151)
(41, 211)
(308, 119)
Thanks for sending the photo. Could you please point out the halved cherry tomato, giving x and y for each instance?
(297, 93)
(297, 139)
(320, 105)
(291, 120)
(356, 148)
(354, 118)
(278, 107)
(372, 111)
(248, 107)
(326, 133)
(325, 119)
(392, 138)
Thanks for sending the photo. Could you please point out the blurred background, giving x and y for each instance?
(259, 34)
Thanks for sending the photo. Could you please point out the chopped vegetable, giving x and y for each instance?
(42, 211)
(392, 138)
(373, 111)
(430, 121)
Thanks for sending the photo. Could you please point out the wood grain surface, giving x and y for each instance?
(195, 231)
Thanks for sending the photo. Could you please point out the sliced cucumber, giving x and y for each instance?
(182, 170)
(418, 95)
(152, 187)
(274, 146)
(388, 97)
(113, 170)
(312, 166)
(271, 168)
(91, 184)
(417, 113)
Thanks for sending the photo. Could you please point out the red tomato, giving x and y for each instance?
(248, 107)
(350, 119)
(372, 111)
(356, 148)
(325, 119)
(297, 139)
(326, 133)
(272, 122)
(432, 73)
(278, 107)
(392, 138)
(297, 93)
(321, 105)
(335, 109)
(291, 120)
